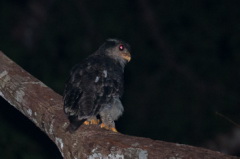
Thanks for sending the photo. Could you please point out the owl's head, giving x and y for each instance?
(116, 49)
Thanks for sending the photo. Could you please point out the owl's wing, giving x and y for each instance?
(73, 91)
(92, 85)
(84, 90)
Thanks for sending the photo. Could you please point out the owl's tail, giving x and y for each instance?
(75, 123)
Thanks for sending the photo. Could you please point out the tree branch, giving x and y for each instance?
(44, 107)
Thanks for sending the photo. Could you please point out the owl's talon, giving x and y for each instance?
(104, 126)
(94, 121)
(113, 129)
(86, 122)
(108, 128)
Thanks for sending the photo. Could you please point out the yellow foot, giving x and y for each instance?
(108, 128)
(86, 122)
(104, 126)
(113, 129)
(94, 121)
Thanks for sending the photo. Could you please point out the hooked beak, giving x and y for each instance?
(126, 56)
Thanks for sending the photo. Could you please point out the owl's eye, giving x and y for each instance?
(121, 47)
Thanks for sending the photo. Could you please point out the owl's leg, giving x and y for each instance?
(91, 120)
(107, 122)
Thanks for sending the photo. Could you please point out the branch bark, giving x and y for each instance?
(44, 108)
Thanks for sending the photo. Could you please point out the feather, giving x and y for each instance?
(94, 85)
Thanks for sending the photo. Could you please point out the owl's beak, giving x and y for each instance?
(126, 56)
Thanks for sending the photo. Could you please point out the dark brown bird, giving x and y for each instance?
(95, 86)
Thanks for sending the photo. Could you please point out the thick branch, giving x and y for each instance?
(44, 107)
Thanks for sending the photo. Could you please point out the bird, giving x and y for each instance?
(93, 91)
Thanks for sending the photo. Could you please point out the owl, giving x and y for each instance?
(93, 91)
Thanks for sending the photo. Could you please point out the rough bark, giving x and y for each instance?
(44, 108)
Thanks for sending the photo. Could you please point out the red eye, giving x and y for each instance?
(121, 47)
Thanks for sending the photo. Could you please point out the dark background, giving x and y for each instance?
(185, 66)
